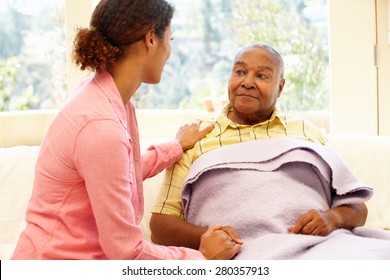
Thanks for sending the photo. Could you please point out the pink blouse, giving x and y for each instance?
(87, 199)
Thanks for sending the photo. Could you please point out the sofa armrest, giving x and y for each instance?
(368, 156)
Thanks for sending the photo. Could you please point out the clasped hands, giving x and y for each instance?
(220, 243)
(223, 242)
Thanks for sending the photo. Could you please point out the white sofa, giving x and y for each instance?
(21, 134)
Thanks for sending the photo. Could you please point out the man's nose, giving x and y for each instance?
(248, 82)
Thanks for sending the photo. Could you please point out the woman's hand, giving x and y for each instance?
(216, 244)
(189, 134)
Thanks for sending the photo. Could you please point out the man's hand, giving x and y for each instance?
(233, 234)
(322, 223)
(313, 223)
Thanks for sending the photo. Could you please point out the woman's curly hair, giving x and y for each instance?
(115, 25)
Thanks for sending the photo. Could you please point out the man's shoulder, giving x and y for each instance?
(208, 121)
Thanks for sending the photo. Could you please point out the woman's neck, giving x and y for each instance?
(128, 74)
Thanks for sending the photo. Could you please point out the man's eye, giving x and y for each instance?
(239, 72)
(262, 76)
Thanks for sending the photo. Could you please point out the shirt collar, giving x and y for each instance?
(223, 122)
(106, 83)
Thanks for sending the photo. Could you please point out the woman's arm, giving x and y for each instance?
(161, 156)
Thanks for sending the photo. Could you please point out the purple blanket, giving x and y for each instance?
(262, 187)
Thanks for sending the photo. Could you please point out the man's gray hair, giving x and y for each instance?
(269, 49)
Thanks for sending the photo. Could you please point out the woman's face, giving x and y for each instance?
(159, 57)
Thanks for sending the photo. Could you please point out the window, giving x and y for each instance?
(207, 34)
(32, 54)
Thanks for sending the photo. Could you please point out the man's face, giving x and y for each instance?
(254, 86)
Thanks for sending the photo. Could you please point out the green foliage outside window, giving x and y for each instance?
(32, 55)
(207, 35)
(302, 43)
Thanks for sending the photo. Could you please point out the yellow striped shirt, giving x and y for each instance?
(226, 132)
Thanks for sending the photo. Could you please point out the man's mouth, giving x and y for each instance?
(246, 95)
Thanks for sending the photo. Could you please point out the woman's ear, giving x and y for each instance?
(150, 39)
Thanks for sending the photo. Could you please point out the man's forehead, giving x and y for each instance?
(257, 55)
(261, 63)
(260, 66)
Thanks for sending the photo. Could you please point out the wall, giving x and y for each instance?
(78, 14)
(353, 78)
(383, 28)
(359, 66)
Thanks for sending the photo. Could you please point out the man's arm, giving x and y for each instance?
(172, 231)
(349, 216)
(322, 223)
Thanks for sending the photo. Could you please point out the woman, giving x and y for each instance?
(87, 199)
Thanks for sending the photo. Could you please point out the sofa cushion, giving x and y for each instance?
(16, 180)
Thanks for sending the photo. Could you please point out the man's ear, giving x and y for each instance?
(281, 86)
(150, 39)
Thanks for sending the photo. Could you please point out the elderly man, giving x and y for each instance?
(255, 84)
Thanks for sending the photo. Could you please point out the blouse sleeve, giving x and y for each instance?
(158, 157)
(103, 158)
